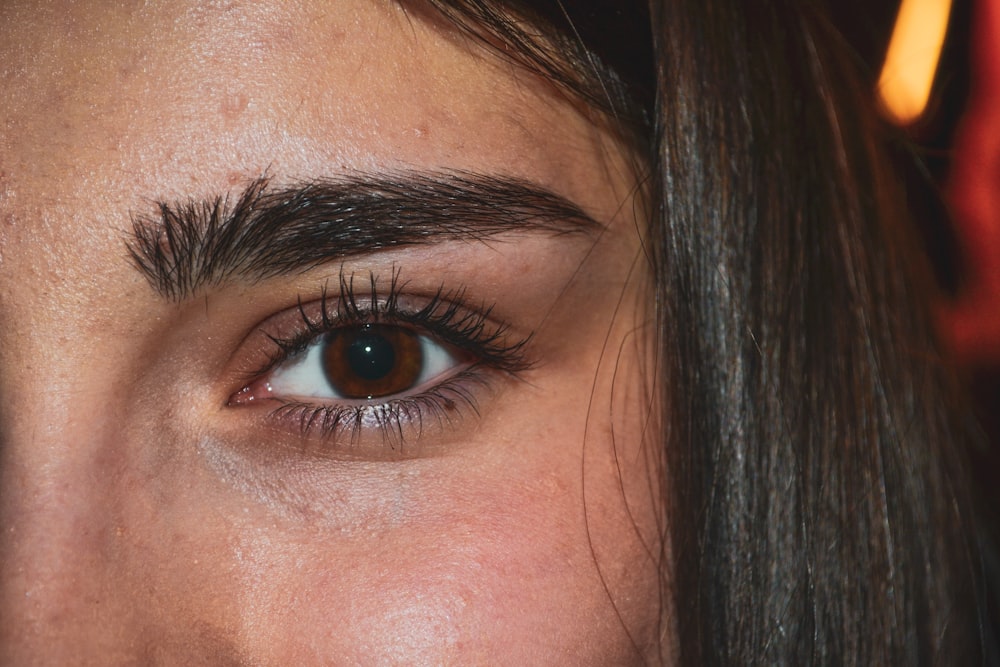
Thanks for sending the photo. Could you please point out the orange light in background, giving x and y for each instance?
(904, 85)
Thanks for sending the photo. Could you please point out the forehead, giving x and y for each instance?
(126, 101)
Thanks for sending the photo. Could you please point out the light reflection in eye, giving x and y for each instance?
(363, 362)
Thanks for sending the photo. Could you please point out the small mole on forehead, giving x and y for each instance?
(234, 104)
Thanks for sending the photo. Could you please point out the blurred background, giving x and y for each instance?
(947, 149)
(945, 140)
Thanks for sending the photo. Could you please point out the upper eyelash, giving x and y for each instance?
(444, 316)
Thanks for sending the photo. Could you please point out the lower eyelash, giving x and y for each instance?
(395, 419)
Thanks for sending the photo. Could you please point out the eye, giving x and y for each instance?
(363, 362)
(378, 364)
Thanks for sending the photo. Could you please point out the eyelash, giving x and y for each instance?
(445, 317)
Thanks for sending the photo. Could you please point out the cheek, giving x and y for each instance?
(491, 568)
(533, 551)
(523, 553)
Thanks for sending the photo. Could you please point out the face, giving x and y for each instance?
(325, 340)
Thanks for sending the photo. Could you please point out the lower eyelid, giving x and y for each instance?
(392, 427)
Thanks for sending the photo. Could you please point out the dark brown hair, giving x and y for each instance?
(814, 476)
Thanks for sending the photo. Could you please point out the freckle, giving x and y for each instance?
(449, 404)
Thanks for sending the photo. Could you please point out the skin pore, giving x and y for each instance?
(147, 518)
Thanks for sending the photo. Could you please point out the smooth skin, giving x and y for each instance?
(145, 519)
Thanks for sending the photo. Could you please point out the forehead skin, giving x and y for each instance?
(125, 537)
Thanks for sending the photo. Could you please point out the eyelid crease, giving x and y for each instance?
(270, 231)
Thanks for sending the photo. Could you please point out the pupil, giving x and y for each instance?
(371, 356)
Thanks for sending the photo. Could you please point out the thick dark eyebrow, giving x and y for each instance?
(270, 231)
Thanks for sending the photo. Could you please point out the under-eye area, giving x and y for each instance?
(373, 360)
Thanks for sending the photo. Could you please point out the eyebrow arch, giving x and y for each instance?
(271, 231)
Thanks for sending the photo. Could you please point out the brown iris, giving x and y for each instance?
(372, 360)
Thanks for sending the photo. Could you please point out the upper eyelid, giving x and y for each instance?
(442, 313)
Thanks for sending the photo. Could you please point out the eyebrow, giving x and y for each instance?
(270, 231)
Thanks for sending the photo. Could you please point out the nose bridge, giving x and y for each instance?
(56, 519)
